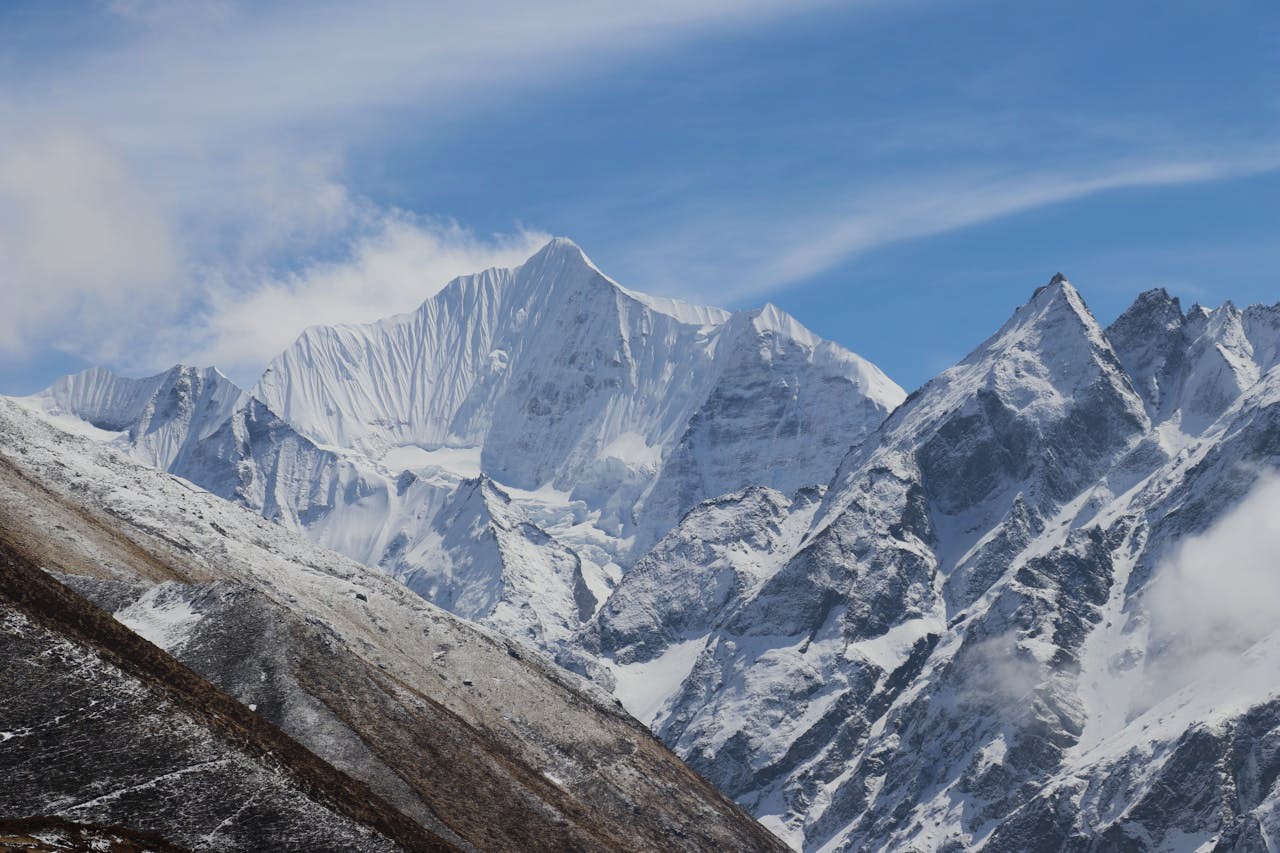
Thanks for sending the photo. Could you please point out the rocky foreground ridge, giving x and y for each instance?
(254, 691)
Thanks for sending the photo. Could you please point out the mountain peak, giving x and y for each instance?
(1153, 311)
(560, 256)
(560, 251)
(1050, 347)
(561, 267)
(1057, 286)
(1157, 296)
(771, 318)
(88, 393)
(1049, 300)
(163, 413)
(207, 374)
(562, 244)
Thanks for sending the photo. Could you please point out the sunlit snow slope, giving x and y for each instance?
(510, 447)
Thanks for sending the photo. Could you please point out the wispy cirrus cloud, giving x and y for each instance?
(763, 252)
(233, 139)
(401, 262)
(188, 167)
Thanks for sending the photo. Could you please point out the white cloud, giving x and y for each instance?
(83, 248)
(195, 78)
(1202, 641)
(147, 181)
(747, 257)
(390, 270)
(1214, 600)
(167, 13)
(267, 202)
(1004, 673)
(220, 132)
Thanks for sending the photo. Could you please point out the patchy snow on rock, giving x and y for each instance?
(891, 649)
(162, 616)
(645, 688)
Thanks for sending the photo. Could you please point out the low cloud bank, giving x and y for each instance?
(402, 262)
(1215, 602)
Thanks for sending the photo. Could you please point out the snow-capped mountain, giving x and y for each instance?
(552, 376)
(160, 419)
(593, 416)
(1001, 617)
(497, 567)
(933, 663)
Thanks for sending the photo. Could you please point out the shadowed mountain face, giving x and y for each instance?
(256, 692)
(972, 624)
(1009, 615)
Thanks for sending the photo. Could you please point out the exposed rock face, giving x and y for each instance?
(49, 834)
(680, 587)
(107, 730)
(462, 735)
(1215, 784)
(938, 649)
(1190, 369)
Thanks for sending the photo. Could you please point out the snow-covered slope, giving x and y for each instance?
(486, 562)
(159, 419)
(556, 377)
(107, 731)
(464, 731)
(983, 631)
(933, 663)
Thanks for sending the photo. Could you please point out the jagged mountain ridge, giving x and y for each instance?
(558, 377)
(163, 417)
(1010, 517)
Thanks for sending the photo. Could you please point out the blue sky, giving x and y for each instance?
(199, 181)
